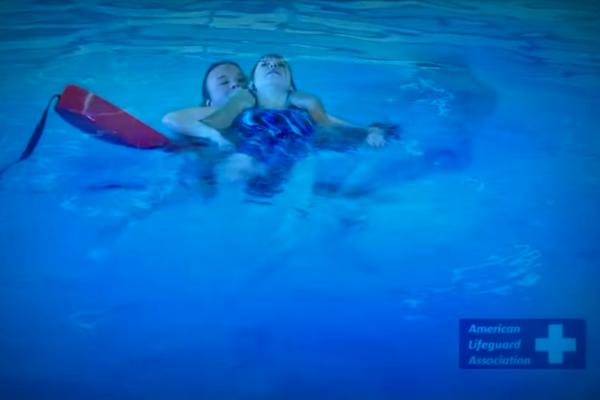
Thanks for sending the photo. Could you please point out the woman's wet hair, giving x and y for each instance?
(278, 57)
(205, 93)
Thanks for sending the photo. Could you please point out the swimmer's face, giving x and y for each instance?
(222, 81)
(272, 71)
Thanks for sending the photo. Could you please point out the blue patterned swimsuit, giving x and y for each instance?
(277, 138)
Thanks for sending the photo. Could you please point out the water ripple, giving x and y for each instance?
(558, 40)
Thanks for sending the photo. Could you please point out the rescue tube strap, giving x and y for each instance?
(35, 138)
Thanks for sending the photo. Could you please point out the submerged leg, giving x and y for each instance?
(198, 172)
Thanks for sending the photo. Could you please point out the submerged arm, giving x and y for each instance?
(336, 132)
(341, 133)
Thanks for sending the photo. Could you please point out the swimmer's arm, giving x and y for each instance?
(370, 128)
(188, 122)
(374, 135)
(338, 121)
(222, 119)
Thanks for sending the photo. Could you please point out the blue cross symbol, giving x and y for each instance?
(555, 344)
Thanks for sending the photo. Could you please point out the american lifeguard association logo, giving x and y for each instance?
(522, 343)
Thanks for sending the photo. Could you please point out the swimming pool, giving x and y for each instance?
(118, 282)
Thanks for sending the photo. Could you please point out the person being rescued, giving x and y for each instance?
(268, 124)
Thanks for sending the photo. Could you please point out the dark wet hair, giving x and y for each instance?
(205, 93)
(280, 58)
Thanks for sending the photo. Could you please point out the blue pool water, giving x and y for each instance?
(118, 282)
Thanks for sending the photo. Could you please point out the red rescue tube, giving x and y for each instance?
(94, 115)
